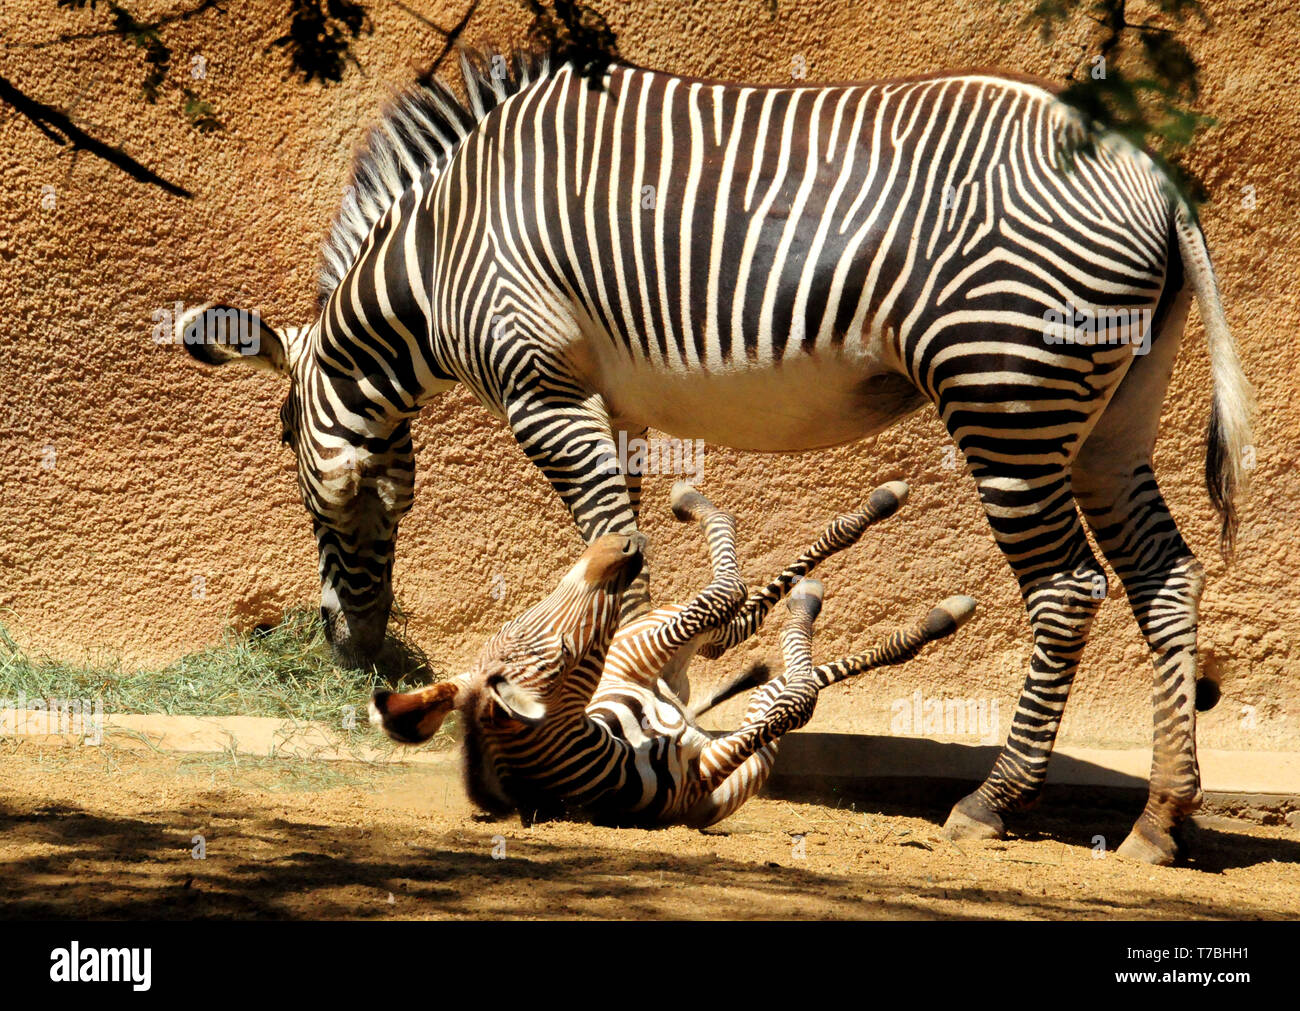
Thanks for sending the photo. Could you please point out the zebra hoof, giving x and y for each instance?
(887, 499)
(971, 820)
(1141, 848)
(806, 598)
(687, 503)
(949, 616)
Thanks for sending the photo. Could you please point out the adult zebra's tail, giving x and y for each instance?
(1229, 441)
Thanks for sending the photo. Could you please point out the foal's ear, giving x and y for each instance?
(217, 334)
(516, 703)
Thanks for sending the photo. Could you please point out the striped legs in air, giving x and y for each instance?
(843, 532)
(744, 623)
(735, 766)
(662, 649)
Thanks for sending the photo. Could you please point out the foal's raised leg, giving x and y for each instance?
(636, 598)
(786, 703)
(942, 621)
(736, 766)
(719, 528)
(843, 532)
(654, 647)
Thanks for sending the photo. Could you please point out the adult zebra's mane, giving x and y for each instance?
(420, 129)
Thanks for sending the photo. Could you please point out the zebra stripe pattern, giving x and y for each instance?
(595, 255)
(603, 733)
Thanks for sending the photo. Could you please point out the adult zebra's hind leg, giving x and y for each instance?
(1163, 581)
(1037, 526)
(1162, 578)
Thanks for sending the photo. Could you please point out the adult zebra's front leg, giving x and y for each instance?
(568, 433)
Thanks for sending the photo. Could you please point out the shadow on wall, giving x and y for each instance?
(807, 759)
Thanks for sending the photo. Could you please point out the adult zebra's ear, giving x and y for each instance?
(217, 334)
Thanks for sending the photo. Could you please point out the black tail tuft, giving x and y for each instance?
(1221, 482)
(1208, 694)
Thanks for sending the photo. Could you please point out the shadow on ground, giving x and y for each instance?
(76, 862)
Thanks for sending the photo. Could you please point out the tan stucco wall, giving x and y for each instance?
(162, 473)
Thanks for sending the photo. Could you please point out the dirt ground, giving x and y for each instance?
(110, 832)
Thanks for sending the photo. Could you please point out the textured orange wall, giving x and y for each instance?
(128, 473)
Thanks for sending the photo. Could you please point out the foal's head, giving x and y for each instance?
(518, 680)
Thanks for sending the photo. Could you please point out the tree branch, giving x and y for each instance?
(452, 35)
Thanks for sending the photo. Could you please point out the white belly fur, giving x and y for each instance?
(806, 402)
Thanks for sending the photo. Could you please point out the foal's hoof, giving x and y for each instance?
(970, 819)
(689, 504)
(1160, 851)
(806, 598)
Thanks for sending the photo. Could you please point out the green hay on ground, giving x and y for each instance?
(285, 671)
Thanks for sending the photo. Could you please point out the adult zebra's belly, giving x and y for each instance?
(805, 402)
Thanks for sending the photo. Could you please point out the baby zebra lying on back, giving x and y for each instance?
(566, 713)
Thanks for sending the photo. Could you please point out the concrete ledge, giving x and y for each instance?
(810, 764)
(261, 736)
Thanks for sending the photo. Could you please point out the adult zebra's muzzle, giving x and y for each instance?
(356, 636)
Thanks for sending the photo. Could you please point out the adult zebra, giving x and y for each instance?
(595, 254)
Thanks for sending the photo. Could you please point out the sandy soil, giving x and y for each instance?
(108, 832)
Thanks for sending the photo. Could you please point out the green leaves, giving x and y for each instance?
(199, 113)
(1136, 79)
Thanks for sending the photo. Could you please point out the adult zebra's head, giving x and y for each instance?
(356, 474)
(351, 389)
(520, 677)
